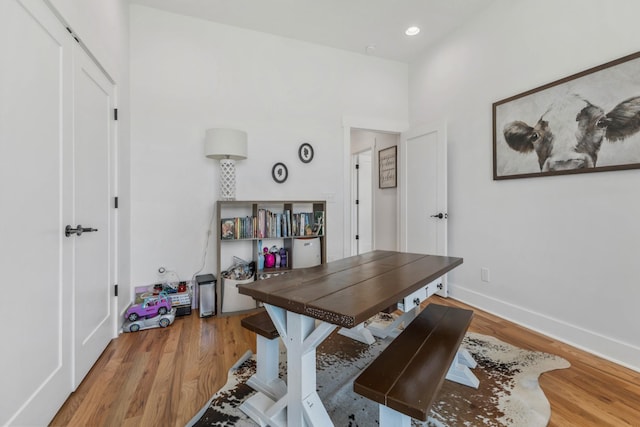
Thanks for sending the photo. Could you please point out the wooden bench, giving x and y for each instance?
(266, 379)
(406, 377)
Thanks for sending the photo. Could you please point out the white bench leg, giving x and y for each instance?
(264, 411)
(465, 358)
(266, 379)
(459, 371)
(392, 418)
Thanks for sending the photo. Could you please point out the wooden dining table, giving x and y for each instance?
(306, 305)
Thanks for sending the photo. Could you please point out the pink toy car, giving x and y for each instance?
(152, 306)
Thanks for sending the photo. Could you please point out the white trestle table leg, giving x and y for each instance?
(392, 329)
(358, 333)
(301, 404)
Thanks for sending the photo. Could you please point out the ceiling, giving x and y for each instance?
(373, 27)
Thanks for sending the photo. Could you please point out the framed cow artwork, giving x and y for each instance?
(587, 122)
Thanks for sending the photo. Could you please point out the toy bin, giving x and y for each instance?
(306, 252)
(232, 300)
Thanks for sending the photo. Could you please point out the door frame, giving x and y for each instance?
(373, 124)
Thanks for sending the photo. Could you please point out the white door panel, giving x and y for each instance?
(424, 194)
(364, 215)
(34, 256)
(56, 306)
(421, 190)
(93, 142)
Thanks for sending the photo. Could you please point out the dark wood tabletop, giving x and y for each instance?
(349, 291)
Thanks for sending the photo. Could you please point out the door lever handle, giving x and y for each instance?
(68, 230)
(440, 215)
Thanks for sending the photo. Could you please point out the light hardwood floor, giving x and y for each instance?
(162, 377)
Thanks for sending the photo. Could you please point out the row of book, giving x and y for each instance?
(270, 225)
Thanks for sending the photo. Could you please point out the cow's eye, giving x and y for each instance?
(602, 123)
(534, 136)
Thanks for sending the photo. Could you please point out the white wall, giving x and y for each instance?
(561, 250)
(103, 27)
(188, 75)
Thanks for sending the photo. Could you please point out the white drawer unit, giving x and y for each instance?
(419, 296)
(433, 287)
(412, 300)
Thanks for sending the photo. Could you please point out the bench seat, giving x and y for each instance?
(406, 377)
(261, 324)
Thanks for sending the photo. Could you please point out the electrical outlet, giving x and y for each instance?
(484, 274)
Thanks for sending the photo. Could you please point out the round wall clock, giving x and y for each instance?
(279, 173)
(305, 152)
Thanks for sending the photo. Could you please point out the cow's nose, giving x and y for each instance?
(569, 162)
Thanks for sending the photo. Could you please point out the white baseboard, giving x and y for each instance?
(610, 349)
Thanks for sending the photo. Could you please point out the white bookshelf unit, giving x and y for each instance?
(249, 227)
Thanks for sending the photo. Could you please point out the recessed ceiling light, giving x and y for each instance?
(412, 31)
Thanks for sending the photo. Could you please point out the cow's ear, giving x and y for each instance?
(624, 120)
(519, 136)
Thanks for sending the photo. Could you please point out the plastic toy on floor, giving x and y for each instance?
(150, 307)
(161, 321)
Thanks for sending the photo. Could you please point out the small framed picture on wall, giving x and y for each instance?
(387, 163)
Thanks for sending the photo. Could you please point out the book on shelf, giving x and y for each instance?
(303, 224)
(272, 225)
(318, 223)
(261, 223)
(294, 225)
(247, 228)
(227, 229)
(288, 222)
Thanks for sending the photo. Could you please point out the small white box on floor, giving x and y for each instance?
(232, 300)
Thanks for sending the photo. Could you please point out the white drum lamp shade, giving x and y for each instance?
(226, 145)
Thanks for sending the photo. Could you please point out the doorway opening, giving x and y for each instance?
(372, 212)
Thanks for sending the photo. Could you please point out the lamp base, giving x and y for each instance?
(227, 179)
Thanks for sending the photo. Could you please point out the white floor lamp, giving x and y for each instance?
(226, 145)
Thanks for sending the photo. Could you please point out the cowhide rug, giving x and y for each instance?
(509, 394)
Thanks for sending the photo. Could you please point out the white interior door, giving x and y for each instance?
(55, 169)
(94, 302)
(35, 257)
(363, 202)
(424, 194)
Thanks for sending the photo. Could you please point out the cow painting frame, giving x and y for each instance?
(586, 122)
